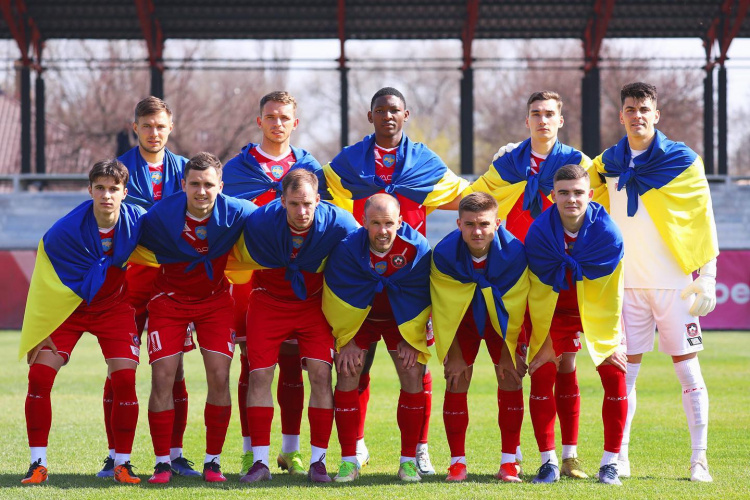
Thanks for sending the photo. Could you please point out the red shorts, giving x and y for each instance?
(241, 295)
(371, 331)
(566, 333)
(140, 280)
(271, 321)
(169, 320)
(113, 327)
(469, 341)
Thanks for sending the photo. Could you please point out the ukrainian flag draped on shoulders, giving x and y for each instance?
(163, 226)
(501, 290)
(670, 180)
(510, 177)
(351, 284)
(244, 177)
(140, 185)
(419, 174)
(266, 242)
(595, 263)
(71, 267)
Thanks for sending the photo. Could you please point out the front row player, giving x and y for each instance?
(190, 234)
(377, 286)
(575, 256)
(478, 285)
(82, 258)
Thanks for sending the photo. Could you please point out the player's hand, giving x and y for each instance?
(618, 359)
(505, 149)
(705, 289)
(32, 354)
(407, 354)
(348, 358)
(453, 367)
(546, 354)
(521, 366)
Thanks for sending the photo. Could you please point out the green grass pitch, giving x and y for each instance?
(659, 450)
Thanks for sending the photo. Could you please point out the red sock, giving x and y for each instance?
(542, 406)
(456, 419)
(510, 419)
(39, 405)
(614, 407)
(410, 417)
(364, 398)
(217, 422)
(180, 396)
(107, 400)
(290, 393)
(427, 384)
(160, 424)
(321, 423)
(242, 394)
(347, 420)
(259, 419)
(568, 402)
(125, 409)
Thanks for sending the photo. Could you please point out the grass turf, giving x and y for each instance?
(659, 451)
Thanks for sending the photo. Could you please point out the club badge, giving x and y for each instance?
(277, 171)
(106, 244)
(389, 160)
(297, 242)
(201, 232)
(381, 267)
(398, 261)
(156, 177)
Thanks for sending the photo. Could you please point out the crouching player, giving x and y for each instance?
(377, 286)
(78, 286)
(190, 234)
(575, 257)
(478, 285)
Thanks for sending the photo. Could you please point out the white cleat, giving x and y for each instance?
(623, 468)
(699, 472)
(424, 465)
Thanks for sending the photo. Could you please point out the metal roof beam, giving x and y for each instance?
(724, 28)
(24, 30)
(469, 30)
(152, 33)
(595, 31)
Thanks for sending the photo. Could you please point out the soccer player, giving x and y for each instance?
(575, 258)
(190, 235)
(388, 161)
(256, 174)
(520, 179)
(155, 173)
(379, 288)
(289, 240)
(478, 286)
(659, 197)
(79, 285)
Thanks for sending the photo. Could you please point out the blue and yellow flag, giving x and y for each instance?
(71, 267)
(509, 176)
(140, 185)
(419, 175)
(595, 264)
(669, 179)
(500, 290)
(266, 242)
(351, 284)
(244, 177)
(164, 223)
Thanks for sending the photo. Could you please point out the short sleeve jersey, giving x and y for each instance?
(519, 220)
(156, 170)
(567, 300)
(275, 167)
(385, 264)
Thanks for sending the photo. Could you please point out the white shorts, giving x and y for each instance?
(646, 309)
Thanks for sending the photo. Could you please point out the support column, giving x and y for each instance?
(590, 113)
(708, 120)
(25, 77)
(157, 80)
(41, 139)
(344, 79)
(722, 125)
(467, 121)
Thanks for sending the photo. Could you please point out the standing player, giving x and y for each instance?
(155, 173)
(379, 288)
(659, 197)
(388, 161)
(256, 174)
(190, 234)
(575, 258)
(478, 285)
(289, 241)
(520, 179)
(82, 258)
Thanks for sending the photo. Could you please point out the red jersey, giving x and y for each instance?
(157, 176)
(567, 301)
(413, 213)
(399, 256)
(519, 220)
(479, 265)
(114, 283)
(194, 285)
(273, 282)
(275, 168)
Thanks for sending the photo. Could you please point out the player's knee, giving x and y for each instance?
(320, 376)
(41, 378)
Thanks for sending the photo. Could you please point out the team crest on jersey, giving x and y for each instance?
(692, 329)
(297, 241)
(156, 177)
(136, 340)
(106, 244)
(381, 267)
(398, 261)
(277, 171)
(389, 160)
(201, 232)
